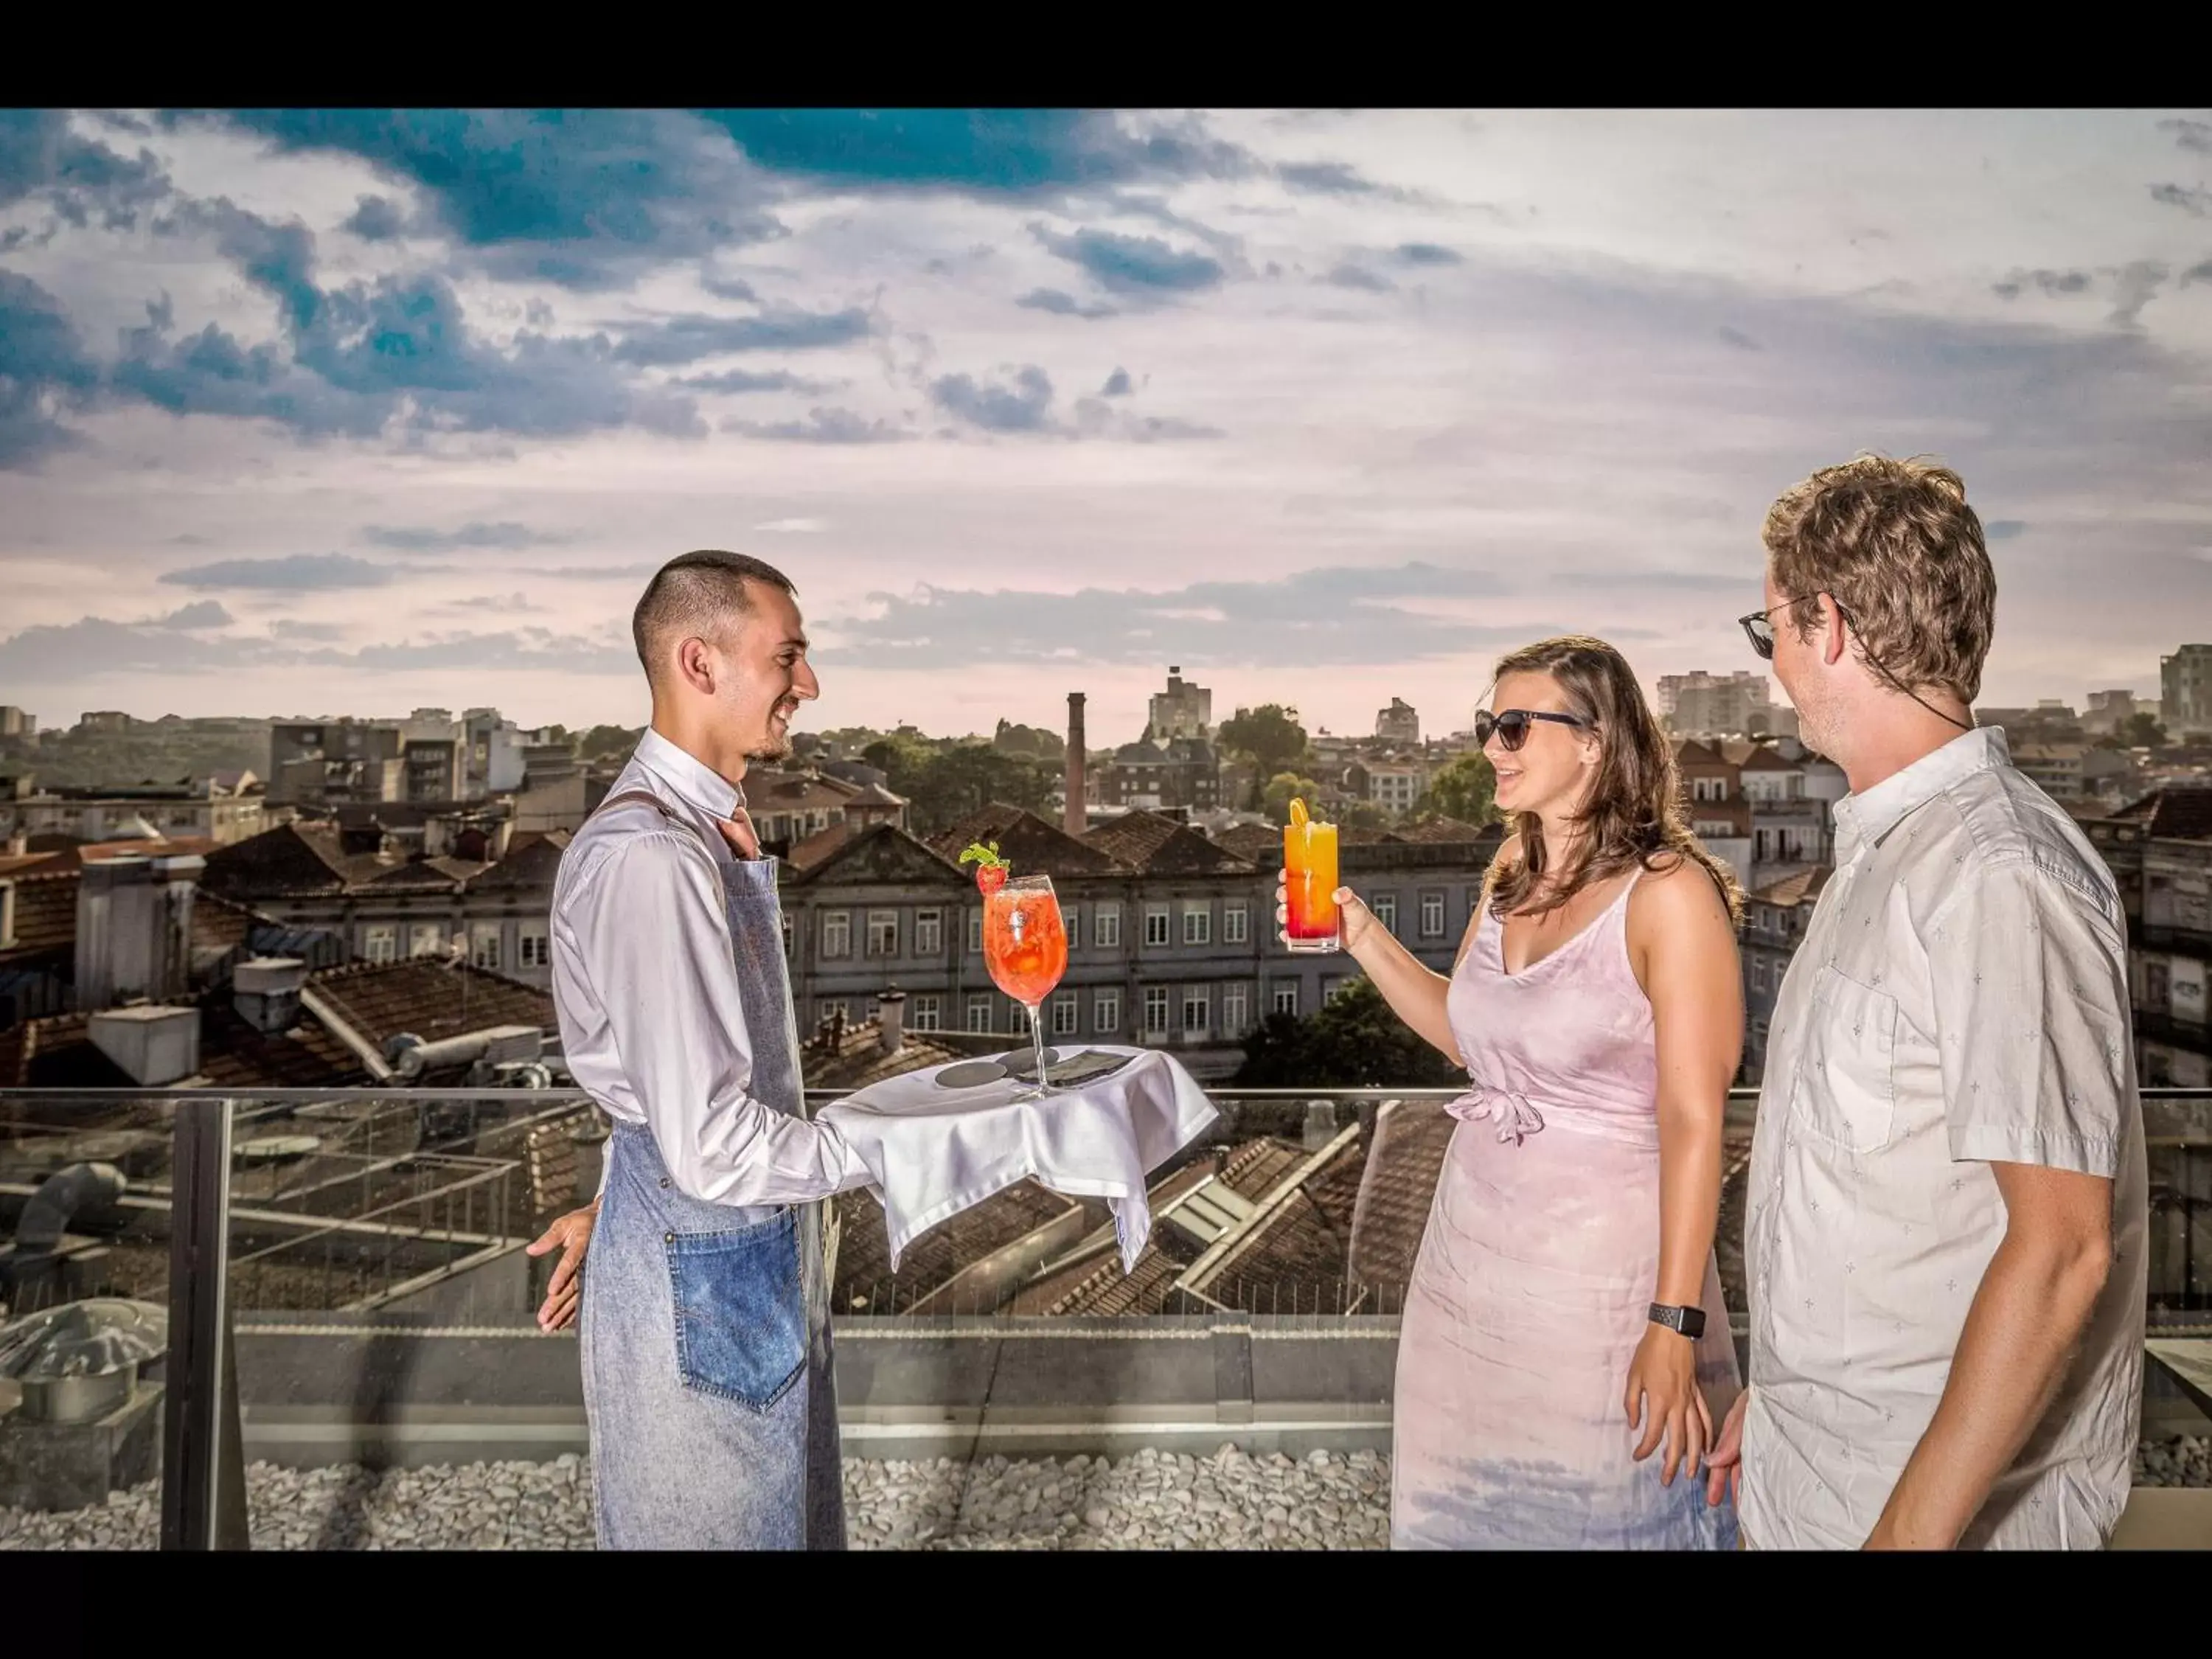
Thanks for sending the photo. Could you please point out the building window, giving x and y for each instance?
(1156, 1010)
(536, 949)
(976, 933)
(1106, 925)
(925, 1014)
(1106, 1011)
(380, 943)
(1758, 973)
(1017, 1018)
(1195, 999)
(882, 932)
(1066, 1013)
(1156, 924)
(484, 946)
(1236, 922)
(1432, 915)
(836, 934)
(1385, 906)
(929, 933)
(1234, 1015)
(1286, 998)
(426, 938)
(979, 1013)
(1329, 988)
(1071, 920)
(1197, 923)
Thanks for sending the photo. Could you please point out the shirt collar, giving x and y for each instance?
(1864, 819)
(690, 780)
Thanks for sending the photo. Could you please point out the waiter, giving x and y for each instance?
(706, 1339)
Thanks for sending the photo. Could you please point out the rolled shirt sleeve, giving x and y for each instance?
(659, 952)
(2031, 998)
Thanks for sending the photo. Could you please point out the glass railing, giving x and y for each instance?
(350, 1355)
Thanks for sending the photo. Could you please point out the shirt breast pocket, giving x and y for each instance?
(1846, 1092)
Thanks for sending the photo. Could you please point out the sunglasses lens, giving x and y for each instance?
(1511, 728)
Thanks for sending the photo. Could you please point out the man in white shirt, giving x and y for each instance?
(1945, 1230)
(705, 1340)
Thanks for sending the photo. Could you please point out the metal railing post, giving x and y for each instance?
(203, 1454)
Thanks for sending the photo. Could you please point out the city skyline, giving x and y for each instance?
(352, 412)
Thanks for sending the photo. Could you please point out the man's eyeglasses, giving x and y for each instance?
(1758, 628)
(1512, 726)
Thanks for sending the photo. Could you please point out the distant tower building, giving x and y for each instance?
(1699, 704)
(16, 722)
(1399, 723)
(2184, 683)
(1183, 710)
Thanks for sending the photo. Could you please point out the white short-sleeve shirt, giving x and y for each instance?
(1960, 998)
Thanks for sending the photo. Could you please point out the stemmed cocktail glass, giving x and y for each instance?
(1025, 947)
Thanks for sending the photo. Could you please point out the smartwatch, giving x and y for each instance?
(1685, 1322)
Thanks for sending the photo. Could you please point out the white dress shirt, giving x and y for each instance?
(1960, 998)
(645, 990)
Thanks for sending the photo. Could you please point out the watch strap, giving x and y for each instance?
(1684, 1321)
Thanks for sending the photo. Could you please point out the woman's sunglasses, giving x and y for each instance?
(1512, 726)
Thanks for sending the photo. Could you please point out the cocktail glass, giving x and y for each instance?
(1025, 947)
(1310, 884)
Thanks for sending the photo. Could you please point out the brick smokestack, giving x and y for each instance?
(1077, 819)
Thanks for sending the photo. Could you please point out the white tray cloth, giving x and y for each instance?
(934, 1153)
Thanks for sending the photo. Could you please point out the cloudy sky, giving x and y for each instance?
(313, 412)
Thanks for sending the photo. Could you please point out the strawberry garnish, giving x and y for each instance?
(991, 870)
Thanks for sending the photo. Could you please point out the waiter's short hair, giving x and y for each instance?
(696, 593)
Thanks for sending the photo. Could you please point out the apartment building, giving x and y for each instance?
(1171, 933)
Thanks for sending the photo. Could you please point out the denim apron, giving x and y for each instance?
(705, 1326)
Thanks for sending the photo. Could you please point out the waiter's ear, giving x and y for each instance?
(696, 665)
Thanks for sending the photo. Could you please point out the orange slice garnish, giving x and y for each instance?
(1297, 812)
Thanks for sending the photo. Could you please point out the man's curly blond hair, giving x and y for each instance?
(1895, 543)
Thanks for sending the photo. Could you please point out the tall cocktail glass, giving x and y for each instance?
(1309, 864)
(1025, 947)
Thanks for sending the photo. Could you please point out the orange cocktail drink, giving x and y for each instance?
(1026, 948)
(1310, 861)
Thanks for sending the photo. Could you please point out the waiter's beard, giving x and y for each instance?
(774, 748)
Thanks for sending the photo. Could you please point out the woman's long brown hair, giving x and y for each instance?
(1634, 813)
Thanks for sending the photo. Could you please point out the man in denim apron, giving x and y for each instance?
(705, 1329)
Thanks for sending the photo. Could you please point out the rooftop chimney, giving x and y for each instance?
(153, 1047)
(7, 913)
(266, 991)
(1077, 817)
(891, 1016)
(134, 929)
(18, 845)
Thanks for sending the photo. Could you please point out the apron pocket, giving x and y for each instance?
(740, 1311)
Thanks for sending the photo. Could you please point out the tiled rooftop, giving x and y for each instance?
(1031, 845)
(864, 1267)
(430, 998)
(1160, 846)
(1405, 1154)
(46, 911)
(1799, 889)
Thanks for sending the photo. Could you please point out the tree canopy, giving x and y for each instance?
(1465, 789)
(1352, 1041)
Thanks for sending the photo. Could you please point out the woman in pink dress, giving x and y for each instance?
(1565, 1321)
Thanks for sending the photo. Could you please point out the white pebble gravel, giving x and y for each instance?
(1149, 1500)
